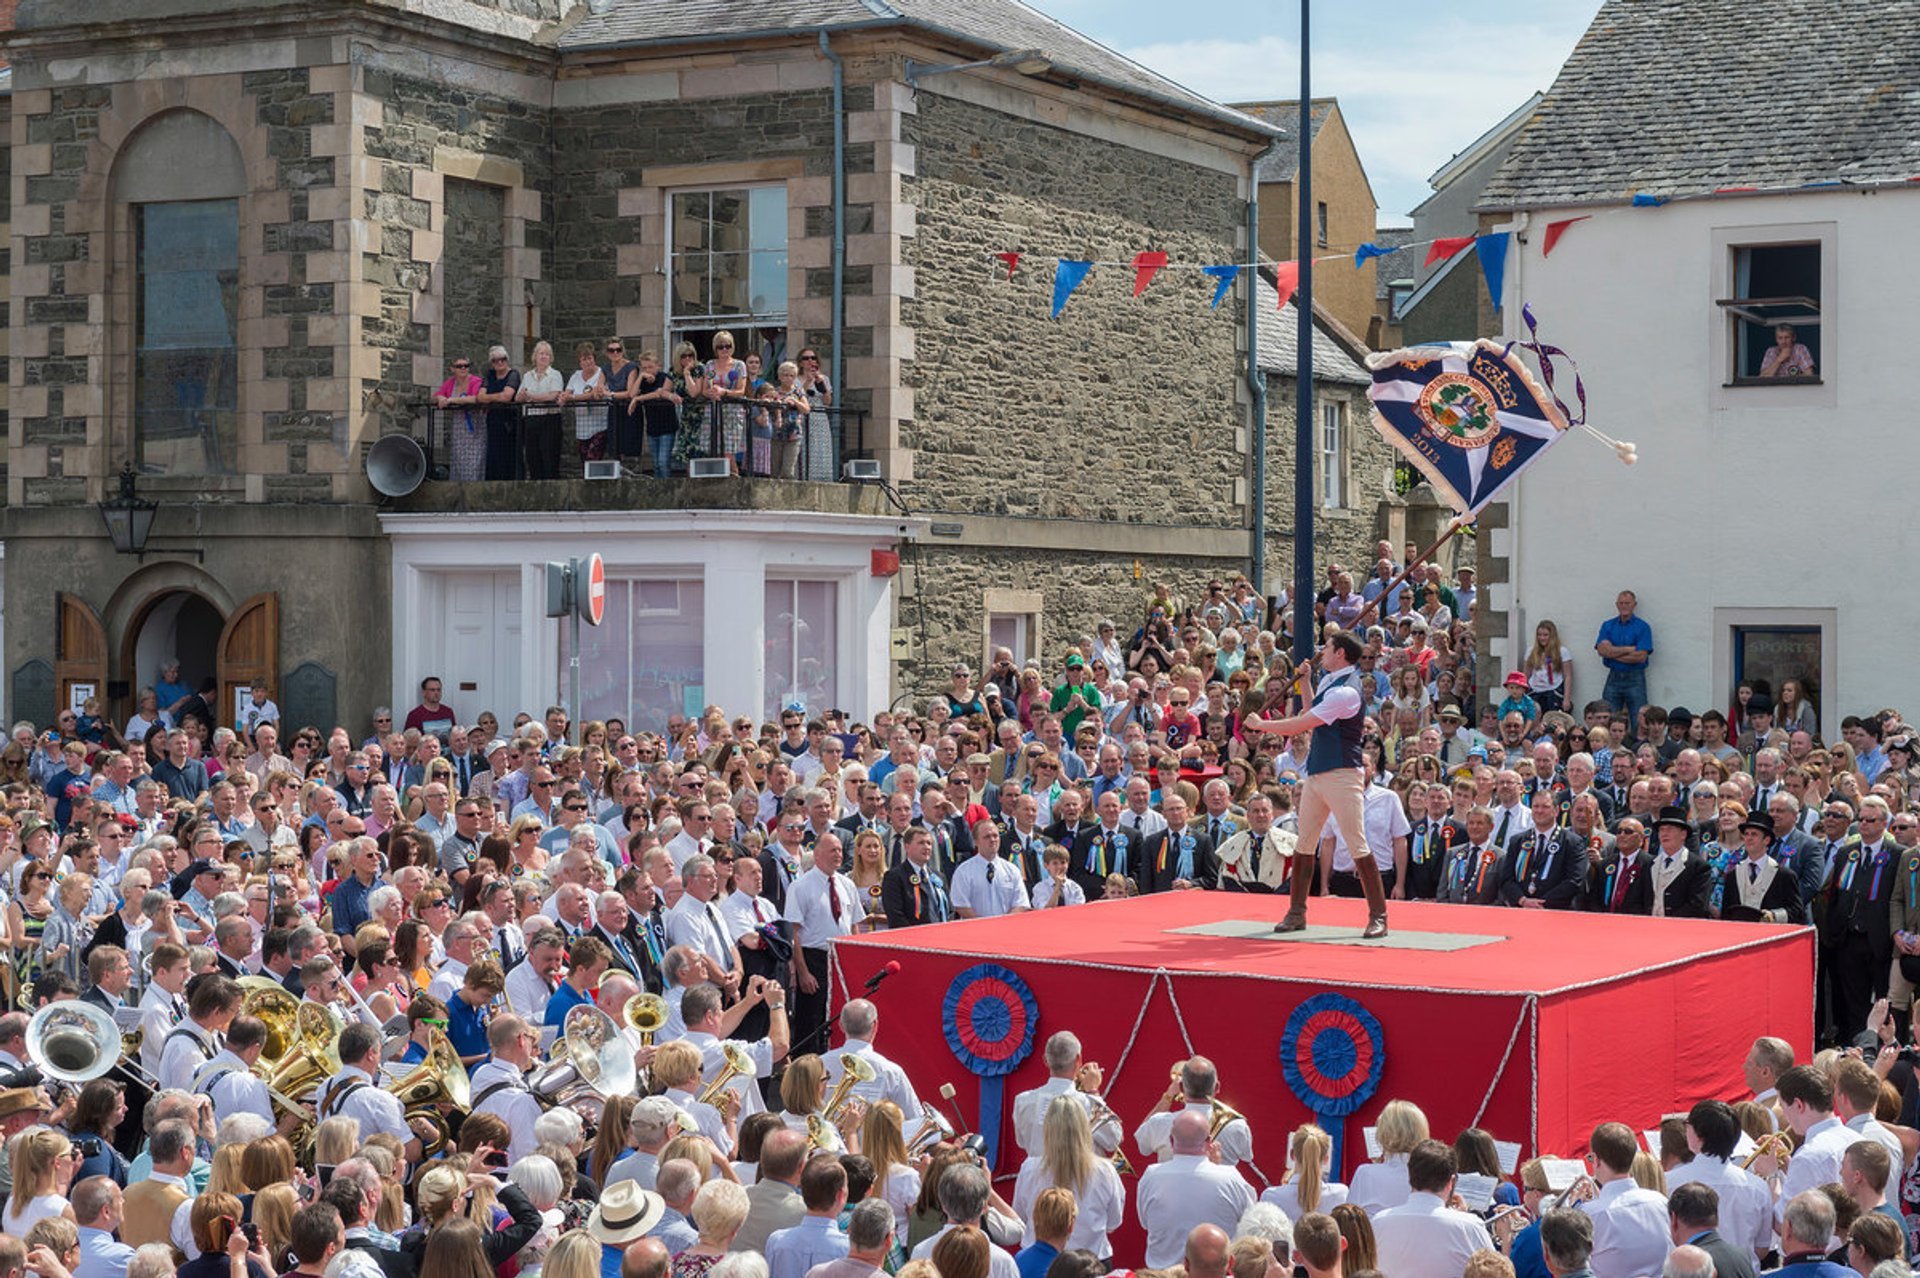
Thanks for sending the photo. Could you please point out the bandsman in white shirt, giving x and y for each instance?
(860, 1021)
(822, 904)
(356, 1092)
(1192, 1091)
(1189, 1190)
(706, 1026)
(1806, 1098)
(499, 1084)
(695, 920)
(1632, 1233)
(531, 984)
(162, 1006)
(1766, 1061)
(1069, 1075)
(1856, 1091)
(1423, 1237)
(229, 1081)
(196, 1040)
(1745, 1201)
(984, 885)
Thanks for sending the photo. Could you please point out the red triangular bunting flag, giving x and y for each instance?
(1441, 250)
(1011, 259)
(1144, 266)
(1557, 229)
(1286, 278)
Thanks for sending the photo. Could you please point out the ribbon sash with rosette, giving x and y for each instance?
(990, 1019)
(1332, 1052)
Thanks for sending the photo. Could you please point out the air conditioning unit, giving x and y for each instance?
(708, 468)
(600, 470)
(862, 468)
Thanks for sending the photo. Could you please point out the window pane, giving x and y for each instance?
(730, 284)
(185, 364)
(802, 638)
(647, 660)
(768, 283)
(690, 284)
(690, 221)
(768, 206)
(729, 221)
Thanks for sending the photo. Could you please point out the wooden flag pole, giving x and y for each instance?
(1453, 530)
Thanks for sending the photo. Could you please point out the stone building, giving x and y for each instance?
(247, 240)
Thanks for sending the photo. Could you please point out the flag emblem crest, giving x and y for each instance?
(1457, 411)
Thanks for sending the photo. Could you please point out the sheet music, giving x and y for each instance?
(1475, 1190)
(1509, 1154)
(1373, 1143)
(1562, 1172)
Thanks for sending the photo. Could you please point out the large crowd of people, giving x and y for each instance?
(456, 995)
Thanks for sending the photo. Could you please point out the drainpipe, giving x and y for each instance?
(1257, 386)
(837, 364)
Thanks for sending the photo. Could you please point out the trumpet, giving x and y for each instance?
(1774, 1143)
(738, 1065)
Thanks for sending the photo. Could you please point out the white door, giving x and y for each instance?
(481, 619)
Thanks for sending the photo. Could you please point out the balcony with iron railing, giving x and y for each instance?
(594, 456)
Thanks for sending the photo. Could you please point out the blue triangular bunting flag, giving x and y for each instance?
(1066, 278)
(1492, 252)
(1365, 251)
(1223, 278)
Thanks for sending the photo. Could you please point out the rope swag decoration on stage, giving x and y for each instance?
(1332, 1051)
(990, 1017)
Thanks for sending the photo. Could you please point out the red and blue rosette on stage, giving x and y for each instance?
(1332, 1051)
(990, 1019)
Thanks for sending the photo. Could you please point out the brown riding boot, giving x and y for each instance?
(1302, 884)
(1368, 871)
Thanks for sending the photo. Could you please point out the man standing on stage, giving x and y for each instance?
(1333, 786)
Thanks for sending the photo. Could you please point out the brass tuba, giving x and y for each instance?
(438, 1080)
(73, 1041)
(591, 1062)
(645, 1013)
(268, 1001)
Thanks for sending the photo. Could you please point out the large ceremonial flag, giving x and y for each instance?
(1468, 414)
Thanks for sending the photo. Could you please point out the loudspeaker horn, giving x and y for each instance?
(396, 465)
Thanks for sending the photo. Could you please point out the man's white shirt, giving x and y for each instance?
(187, 1048)
(448, 980)
(690, 923)
(1030, 1115)
(1630, 1230)
(1185, 1191)
(1816, 1162)
(375, 1110)
(713, 1059)
(527, 993)
(890, 1082)
(1424, 1238)
(233, 1087)
(1746, 1203)
(810, 908)
(989, 887)
(159, 1012)
(1155, 1134)
(512, 1102)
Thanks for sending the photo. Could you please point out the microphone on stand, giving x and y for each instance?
(873, 982)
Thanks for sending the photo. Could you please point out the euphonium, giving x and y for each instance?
(590, 1062)
(1223, 1114)
(933, 1130)
(269, 1001)
(854, 1070)
(738, 1064)
(438, 1080)
(645, 1013)
(76, 1042)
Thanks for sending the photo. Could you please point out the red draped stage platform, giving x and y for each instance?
(1537, 1025)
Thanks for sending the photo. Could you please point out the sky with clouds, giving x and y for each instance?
(1417, 83)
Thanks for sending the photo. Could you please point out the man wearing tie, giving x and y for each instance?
(1678, 884)
(1024, 845)
(1431, 843)
(1546, 867)
(502, 926)
(1179, 857)
(782, 861)
(646, 933)
(1472, 874)
(748, 914)
(1610, 883)
(610, 924)
(1757, 888)
(695, 921)
(1256, 859)
(1859, 918)
(951, 842)
(1766, 778)
(822, 904)
(913, 892)
(1102, 849)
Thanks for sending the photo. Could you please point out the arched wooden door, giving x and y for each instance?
(79, 652)
(249, 651)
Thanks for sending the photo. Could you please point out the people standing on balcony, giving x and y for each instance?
(624, 415)
(498, 386)
(588, 386)
(541, 388)
(726, 383)
(658, 403)
(460, 392)
(690, 386)
(790, 418)
(760, 418)
(818, 389)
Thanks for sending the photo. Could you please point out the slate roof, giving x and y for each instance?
(1401, 264)
(1281, 164)
(998, 25)
(1675, 97)
(1279, 330)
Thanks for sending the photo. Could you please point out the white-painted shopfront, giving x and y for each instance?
(746, 610)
